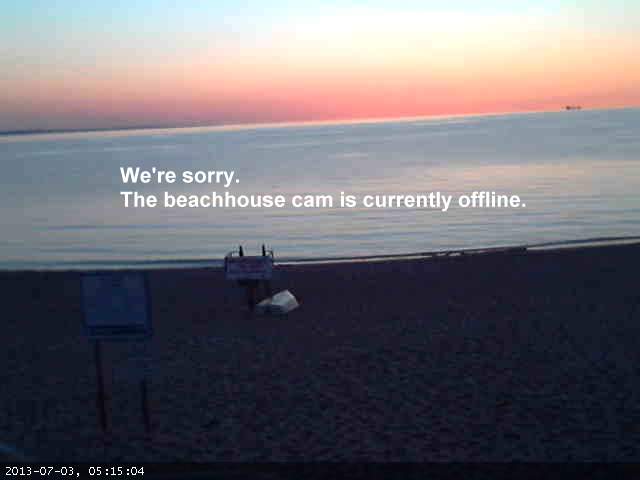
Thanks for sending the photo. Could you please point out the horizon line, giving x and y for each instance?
(294, 123)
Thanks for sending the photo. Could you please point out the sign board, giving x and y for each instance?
(248, 268)
(116, 305)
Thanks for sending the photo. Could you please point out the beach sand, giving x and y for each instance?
(512, 356)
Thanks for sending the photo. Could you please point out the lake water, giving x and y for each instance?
(577, 172)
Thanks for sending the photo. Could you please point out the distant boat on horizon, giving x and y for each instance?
(573, 107)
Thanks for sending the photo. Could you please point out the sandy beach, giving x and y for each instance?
(512, 356)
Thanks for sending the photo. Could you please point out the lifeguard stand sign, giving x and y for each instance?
(249, 268)
(250, 272)
(116, 306)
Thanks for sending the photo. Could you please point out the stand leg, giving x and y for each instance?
(251, 294)
(144, 395)
(102, 411)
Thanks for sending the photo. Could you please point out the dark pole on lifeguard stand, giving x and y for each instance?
(249, 286)
(266, 283)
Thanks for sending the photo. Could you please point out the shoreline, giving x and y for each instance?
(161, 264)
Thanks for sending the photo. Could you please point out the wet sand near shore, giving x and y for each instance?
(503, 356)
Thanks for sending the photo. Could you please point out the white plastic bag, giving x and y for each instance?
(280, 304)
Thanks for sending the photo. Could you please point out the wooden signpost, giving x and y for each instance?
(250, 272)
(116, 306)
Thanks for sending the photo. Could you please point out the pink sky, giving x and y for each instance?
(357, 65)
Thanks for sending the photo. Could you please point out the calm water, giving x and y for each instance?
(578, 173)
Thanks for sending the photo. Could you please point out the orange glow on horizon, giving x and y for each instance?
(385, 67)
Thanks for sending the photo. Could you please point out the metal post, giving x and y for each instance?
(266, 284)
(100, 400)
(144, 391)
(251, 287)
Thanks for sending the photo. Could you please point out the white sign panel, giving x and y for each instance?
(249, 268)
(116, 305)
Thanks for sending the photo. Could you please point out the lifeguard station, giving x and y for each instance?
(250, 272)
(253, 272)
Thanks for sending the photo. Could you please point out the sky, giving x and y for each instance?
(100, 64)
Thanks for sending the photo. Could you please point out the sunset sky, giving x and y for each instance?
(70, 64)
